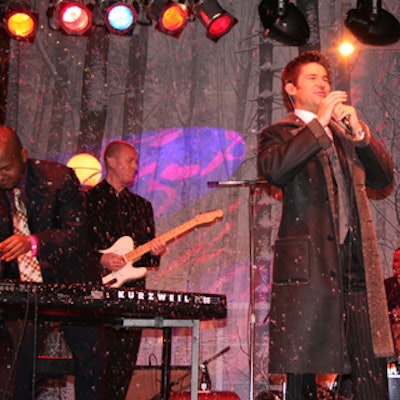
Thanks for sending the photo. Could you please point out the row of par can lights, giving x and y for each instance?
(75, 17)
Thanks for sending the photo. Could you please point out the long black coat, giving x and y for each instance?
(306, 329)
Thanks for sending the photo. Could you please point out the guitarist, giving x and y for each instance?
(113, 212)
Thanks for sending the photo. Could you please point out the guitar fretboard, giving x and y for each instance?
(166, 237)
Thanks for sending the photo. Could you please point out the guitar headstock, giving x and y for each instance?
(208, 217)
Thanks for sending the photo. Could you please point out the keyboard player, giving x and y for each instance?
(48, 195)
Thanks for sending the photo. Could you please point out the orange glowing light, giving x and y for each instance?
(346, 48)
(21, 25)
(87, 169)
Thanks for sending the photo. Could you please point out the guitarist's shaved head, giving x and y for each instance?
(121, 163)
(114, 149)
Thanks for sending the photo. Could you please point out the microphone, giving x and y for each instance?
(345, 122)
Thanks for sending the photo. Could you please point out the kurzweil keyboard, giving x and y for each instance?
(99, 302)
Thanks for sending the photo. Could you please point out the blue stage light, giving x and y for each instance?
(121, 18)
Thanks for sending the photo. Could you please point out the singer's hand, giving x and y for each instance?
(328, 105)
(343, 111)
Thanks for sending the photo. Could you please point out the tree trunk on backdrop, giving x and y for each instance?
(134, 95)
(94, 92)
(4, 61)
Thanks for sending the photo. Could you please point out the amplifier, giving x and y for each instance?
(205, 395)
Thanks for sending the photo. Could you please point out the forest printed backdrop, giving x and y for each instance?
(193, 109)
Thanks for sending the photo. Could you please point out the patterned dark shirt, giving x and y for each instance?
(112, 215)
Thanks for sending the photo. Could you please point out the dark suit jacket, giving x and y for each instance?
(57, 217)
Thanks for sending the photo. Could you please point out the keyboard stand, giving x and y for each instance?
(161, 323)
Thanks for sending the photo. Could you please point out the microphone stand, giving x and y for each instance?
(252, 185)
(215, 356)
(158, 396)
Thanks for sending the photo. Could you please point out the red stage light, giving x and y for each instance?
(75, 18)
(219, 26)
(216, 20)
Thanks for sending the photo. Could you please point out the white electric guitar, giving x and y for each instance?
(124, 246)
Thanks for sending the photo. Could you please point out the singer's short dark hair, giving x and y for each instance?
(292, 70)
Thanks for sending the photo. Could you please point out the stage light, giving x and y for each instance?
(216, 20)
(284, 22)
(75, 18)
(87, 169)
(371, 24)
(20, 22)
(171, 17)
(346, 48)
(121, 18)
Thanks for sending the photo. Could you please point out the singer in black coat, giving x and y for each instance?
(317, 279)
(306, 298)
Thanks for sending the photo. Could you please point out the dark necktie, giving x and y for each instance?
(343, 204)
(29, 269)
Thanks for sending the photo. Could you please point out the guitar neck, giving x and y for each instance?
(166, 237)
